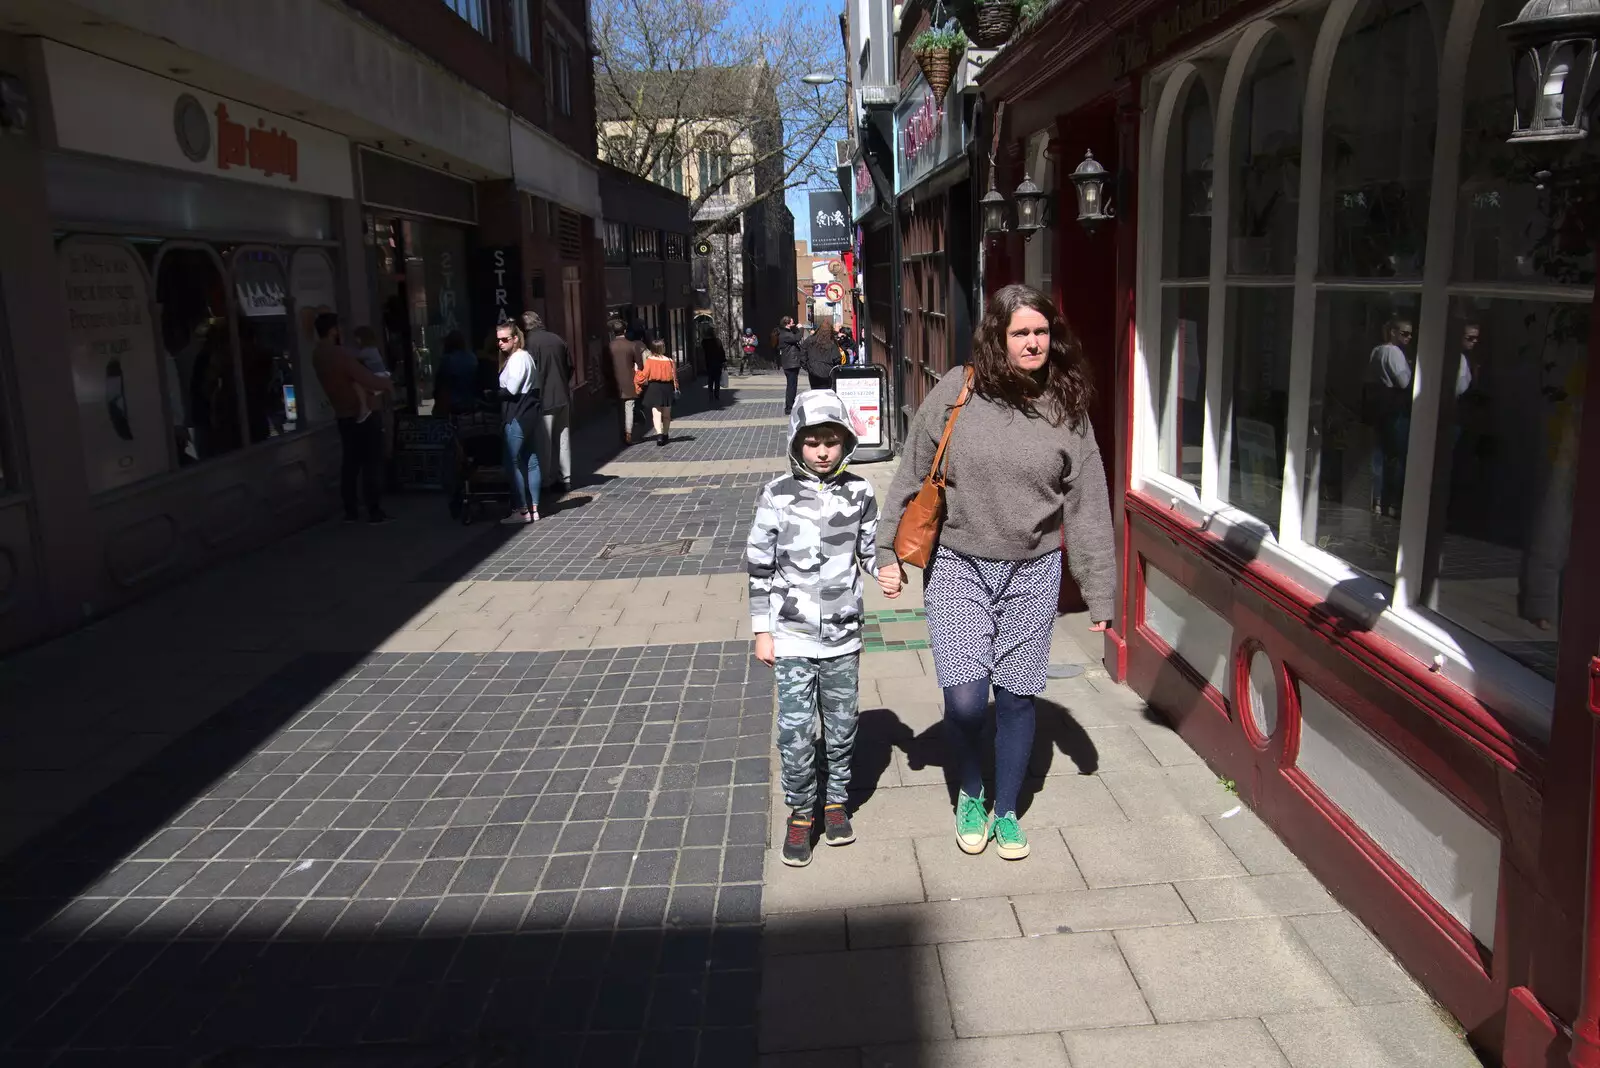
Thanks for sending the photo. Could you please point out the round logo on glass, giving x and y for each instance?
(190, 123)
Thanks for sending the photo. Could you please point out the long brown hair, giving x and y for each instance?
(505, 356)
(1064, 394)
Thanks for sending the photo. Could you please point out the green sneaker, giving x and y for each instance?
(972, 823)
(1009, 841)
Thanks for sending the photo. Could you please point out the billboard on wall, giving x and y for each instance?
(830, 221)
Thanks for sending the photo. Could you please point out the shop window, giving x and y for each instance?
(268, 370)
(1180, 392)
(1264, 198)
(203, 392)
(1377, 159)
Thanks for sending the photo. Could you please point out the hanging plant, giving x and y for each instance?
(937, 52)
(990, 23)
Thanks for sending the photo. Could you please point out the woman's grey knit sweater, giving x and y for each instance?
(1012, 482)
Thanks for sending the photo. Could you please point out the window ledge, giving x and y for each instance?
(1517, 695)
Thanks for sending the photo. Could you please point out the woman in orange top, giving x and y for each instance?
(657, 383)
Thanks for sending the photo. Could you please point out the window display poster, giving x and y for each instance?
(115, 372)
(314, 289)
(863, 399)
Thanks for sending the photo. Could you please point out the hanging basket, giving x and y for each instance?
(992, 23)
(938, 66)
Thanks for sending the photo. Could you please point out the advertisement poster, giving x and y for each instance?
(114, 370)
(830, 222)
(863, 399)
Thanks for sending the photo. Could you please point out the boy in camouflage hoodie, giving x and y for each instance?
(813, 535)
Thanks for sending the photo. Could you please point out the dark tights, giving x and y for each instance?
(965, 708)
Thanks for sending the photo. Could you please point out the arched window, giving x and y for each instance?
(1185, 294)
(715, 162)
(1263, 202)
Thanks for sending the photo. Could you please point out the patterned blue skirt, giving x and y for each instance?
(991, 619)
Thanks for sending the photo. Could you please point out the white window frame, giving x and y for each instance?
(1519, 694)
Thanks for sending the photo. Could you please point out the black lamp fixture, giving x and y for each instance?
(1553, 46)
(993, 206)
(1030, 207)
(1089, 180)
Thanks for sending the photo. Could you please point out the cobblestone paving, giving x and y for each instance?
(752, 405)
(733, 443)
(552, 856)
(710, 512)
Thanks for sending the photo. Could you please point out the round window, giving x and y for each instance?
(1263, 695)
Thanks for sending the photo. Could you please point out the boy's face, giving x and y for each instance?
(821, 447)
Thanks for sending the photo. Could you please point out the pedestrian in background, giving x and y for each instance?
(747, 350)
(554, 366)
(519, 418)
(342, 378)
(812, 537)
(627, 356)
(789, 357)
(1022, 469)
(716, 365)
(456, 384)
(657, 382)
(712, 353)
(820, 354)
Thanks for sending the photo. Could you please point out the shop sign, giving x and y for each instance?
(819, 289)
(830, 221)
(495, 283)
(861, 390)
(107, 108)
(927, 135)
(1152, 37)
(865, 193)
(115, 373)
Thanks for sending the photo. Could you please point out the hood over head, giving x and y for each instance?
(812, 408)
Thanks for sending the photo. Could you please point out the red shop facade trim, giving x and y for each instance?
(1371, 619)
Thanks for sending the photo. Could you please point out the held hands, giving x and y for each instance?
(764, 651)
(890, 579)
(1100, 625)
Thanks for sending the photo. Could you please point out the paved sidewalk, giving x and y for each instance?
(433, 795)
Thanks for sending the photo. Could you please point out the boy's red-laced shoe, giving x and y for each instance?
(836, 829)
(797, 842)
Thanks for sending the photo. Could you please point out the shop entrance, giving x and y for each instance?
(421, 278)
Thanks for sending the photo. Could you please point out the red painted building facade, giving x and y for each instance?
(1344, 337)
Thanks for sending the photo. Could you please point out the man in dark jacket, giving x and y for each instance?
(553, 366)
(627, 356)
(715, 358)
(788, 345)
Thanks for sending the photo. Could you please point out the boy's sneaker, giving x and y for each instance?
(1009, 841)
(836, 829)
(972, 823)
(797, 843)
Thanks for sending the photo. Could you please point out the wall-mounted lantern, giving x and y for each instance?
(1553, 46)
(1089, 180)
(993, 206)
(1030, 207)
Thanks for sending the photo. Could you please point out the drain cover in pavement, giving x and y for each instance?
(620, 551)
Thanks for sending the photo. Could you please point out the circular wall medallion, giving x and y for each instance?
(193, 128)
(1263, 695)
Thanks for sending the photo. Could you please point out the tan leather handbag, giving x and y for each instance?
(918, 532)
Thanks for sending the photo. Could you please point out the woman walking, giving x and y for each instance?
(519, 412)
(1021, 464)
(657, 382)
(820, 354)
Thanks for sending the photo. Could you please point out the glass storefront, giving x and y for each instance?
(420, 269)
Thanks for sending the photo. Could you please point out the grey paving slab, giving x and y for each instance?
(1235, 1043)
(706, 444)
(1010, 1051)
(1179, 792)
(1152, 852)
(1375, 1036)
(931, 922)
(409, 849)
(1288, 894)
(895, 995)
(1052, 983)
(1209, 971)
(823, 931)
(1155, 905)
(948, 873)
(1364, 970)
(1256, 845)
(879, 873)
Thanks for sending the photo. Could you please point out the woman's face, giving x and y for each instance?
(1028, 340)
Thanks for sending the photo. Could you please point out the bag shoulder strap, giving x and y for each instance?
(936, 471)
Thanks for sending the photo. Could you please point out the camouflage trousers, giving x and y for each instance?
(808, 688)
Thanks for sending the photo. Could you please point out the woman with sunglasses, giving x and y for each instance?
(519, 412)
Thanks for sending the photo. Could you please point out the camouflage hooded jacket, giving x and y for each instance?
(812, 537)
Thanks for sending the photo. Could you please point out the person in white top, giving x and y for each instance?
(519, 412)
(1389, 414)
(1469, 341)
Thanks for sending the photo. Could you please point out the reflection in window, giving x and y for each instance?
(1259, 330)
(1180, 393)
(1502, 498)
(1266, 168)
(1378, 148)
(1508, 229)
(1361, 383)
(1188, 216)
(271, 389)
(203, 388)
